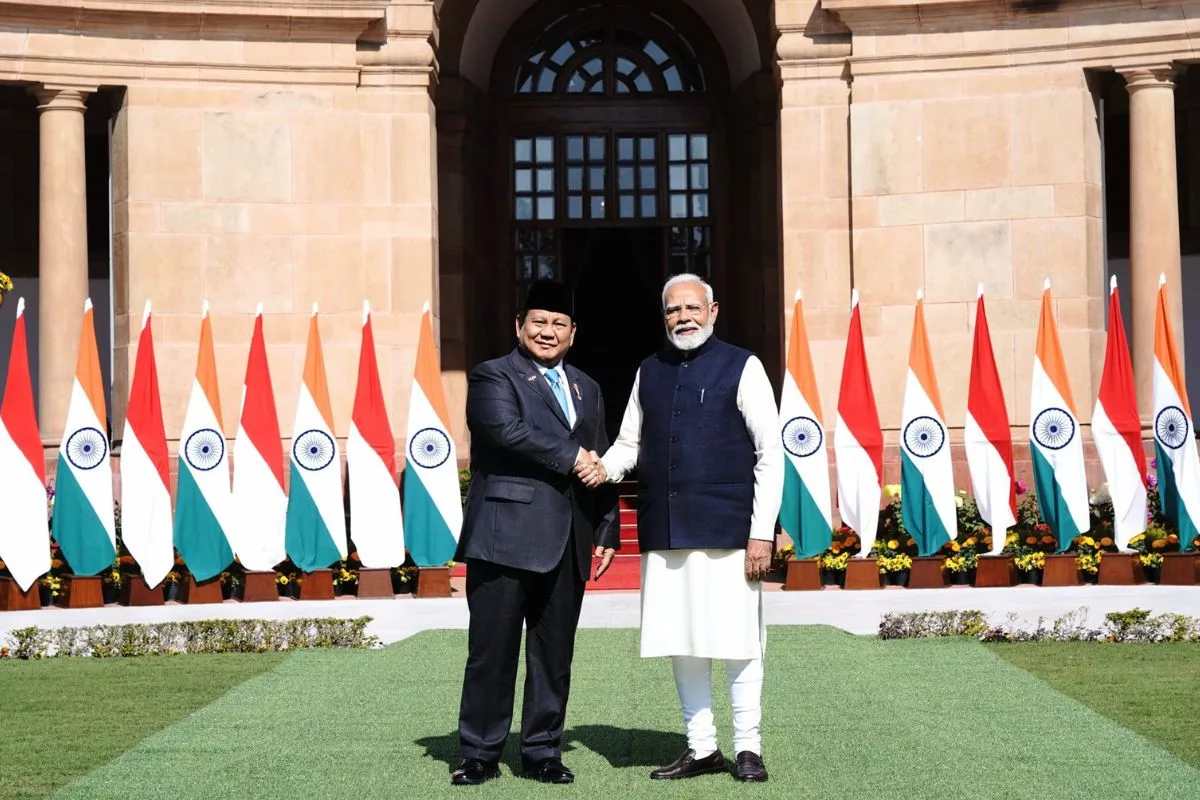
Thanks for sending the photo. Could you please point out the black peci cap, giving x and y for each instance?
(550, 296)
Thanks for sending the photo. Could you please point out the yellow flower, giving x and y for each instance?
(6, 284)
(892, 490)
(893, 544)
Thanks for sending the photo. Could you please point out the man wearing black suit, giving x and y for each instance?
(528, 535)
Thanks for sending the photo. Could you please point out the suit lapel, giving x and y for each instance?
(531, 376)
(578, 394)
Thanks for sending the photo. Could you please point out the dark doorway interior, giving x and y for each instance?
(617, 276)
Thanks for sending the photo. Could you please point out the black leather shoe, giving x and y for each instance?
(688, 766)
(549, 770)
(749, 767)
(472, 772)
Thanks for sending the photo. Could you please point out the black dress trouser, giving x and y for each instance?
(503, 600)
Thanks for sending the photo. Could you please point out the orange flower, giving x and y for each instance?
(954, 546)
(1158, 544)
(1047, 539)
(1106, 542)
(55, 563)
(836, 547)
(1030, 540)
(970, 541)
(1173, 538)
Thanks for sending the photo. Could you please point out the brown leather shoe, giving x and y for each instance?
(749, 767)
(688, 766)
(472, 772)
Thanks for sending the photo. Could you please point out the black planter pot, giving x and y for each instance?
(234, 591)
(898, 578)
(343, 589)
(1032, 576)
(833, 577)
(290, 589)
(403, 585)
(1089, 577)
(44, 596)
(170, 592)
(1153, 574)
(109, 592)
(963, 578)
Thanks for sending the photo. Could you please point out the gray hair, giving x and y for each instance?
(687, 277)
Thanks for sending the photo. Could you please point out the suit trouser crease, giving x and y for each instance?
(693, 680)
(503, 600)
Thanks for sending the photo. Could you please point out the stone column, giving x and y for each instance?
(1153, 215)
(62, 249)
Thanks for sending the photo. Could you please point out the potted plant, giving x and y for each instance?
(233, 583)
(110, 582)
(171, 586)
(1088, 553)
(404, 579)
(345, 579)
(1030, 563)
(833, 563)
(961, 562)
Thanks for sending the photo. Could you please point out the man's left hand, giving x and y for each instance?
(758, 559)
(605, 554)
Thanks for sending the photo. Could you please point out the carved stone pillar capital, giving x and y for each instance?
(1159, 76)
(57, 97)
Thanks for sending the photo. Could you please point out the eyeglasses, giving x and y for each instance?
(693, 309)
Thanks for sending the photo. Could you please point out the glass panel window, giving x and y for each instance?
(637, 177)
(689, 249)
(533, 178)
(663, 62)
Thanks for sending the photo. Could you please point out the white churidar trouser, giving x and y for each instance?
(693, 680)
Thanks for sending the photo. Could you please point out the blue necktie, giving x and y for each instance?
(552, 376)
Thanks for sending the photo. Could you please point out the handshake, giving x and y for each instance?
(589, 469)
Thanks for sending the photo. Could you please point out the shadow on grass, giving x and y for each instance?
(620, 747)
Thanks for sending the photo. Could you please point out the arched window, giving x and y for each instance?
(583, 54)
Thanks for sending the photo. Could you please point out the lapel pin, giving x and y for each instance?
(578, 396)
(531, 378)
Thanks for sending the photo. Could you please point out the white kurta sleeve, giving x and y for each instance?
(756, 401)
(622, 456)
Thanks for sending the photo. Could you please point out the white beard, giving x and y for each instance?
(692, 340)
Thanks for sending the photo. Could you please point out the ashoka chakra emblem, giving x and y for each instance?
(429, 448)
(313, 450)
(1053, 429)
(86, 448)
(924, 436)
(802, 436)
(1171, 427)
(204, 449)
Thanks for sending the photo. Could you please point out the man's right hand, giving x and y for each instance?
(589, 469)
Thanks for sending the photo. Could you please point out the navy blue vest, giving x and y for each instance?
(696, 459)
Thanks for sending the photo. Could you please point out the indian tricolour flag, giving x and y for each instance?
(432, 504)
(858, 441)
(83, 523)
(316, 516)
(145, 484)
(1174, 434)
(1117, 430)
(258, 496)
(805, 513)
(1055, 444)
(376, 523)
(926, 471)
(202, 500)
(25, 534)
(987, 437)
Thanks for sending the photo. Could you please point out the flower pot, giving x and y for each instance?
(109, 593)
(345, 589)
(171, 592)
(1089, 577)
(289, 590)
(233, 591)
(44, 595)
(833, 577)
(1153, 574)
(897, 578)
(960, 577)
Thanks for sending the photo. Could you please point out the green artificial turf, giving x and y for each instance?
(845, 716)
(61, 718)
(1153, 689)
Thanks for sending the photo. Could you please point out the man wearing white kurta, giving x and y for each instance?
(701, 427)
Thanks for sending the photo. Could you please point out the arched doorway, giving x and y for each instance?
(603, 143)
(610, 138)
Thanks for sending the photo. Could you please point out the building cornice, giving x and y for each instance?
(910, 15)
(271, 20)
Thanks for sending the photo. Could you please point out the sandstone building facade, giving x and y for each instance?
(331, 151)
